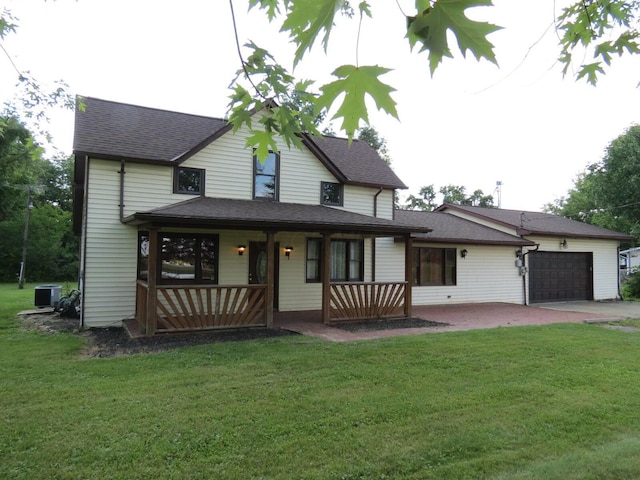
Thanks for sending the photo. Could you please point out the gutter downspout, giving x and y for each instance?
(373, 240)
(122, 172)
(84, 228)
(524, 277)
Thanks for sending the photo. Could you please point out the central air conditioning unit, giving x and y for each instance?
(47, 295)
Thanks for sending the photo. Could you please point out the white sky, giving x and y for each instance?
(472, 124)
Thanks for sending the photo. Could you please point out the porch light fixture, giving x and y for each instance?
(287, 251)
(463, 252)
(241, 249)
(564, 244)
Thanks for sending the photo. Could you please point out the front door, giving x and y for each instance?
(258, 266)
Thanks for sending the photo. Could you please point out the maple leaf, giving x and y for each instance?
(271, 6)
(262, 141)
(355, 83)
(307, 19)
(590, 71)
(430, 26)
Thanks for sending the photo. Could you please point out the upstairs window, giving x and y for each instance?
(434, 266)
(189, 181)
(331, 194)
(265, 176)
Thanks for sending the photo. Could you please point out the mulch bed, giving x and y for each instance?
(109, 342)
(372, 325)
(112, 342)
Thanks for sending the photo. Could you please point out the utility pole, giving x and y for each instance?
(25, 239)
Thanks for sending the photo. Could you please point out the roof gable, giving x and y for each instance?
(537, 223)
(113, 130)
(451, 229)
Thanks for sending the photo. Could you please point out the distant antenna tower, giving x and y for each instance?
(499, 192)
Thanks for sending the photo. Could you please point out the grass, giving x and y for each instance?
(553, 402)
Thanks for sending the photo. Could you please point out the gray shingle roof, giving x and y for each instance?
(118, 130)
(356, 162)
(537, 223)
(451, 229)
(252, 214)
(113, 130)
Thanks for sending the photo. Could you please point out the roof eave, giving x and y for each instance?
(245, 224)
(471, 241)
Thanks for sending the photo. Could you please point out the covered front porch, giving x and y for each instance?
(201, 307)
(165, 305)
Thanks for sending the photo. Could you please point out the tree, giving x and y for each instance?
(379, 144)
(40, 189)
(20, 165)
(426, 200)
(600, 29)
(450, 194)
(607, 194)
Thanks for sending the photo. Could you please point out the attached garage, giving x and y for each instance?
(560, 276)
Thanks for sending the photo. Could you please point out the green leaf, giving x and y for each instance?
(307, 20)
(262, 141)
(355, 83)
(429, 27)
(271, 6)
(590, 71)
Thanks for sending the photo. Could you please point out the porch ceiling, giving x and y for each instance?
(224, 213)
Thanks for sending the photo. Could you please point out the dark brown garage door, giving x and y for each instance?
(560, 276)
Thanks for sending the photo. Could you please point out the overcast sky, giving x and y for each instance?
(472, 124)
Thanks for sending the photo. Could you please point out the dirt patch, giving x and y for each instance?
(373, 325)
(47, 321)
(111, 342)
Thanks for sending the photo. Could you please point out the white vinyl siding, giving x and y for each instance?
(111, 249)
(481, 221)
(487, 274)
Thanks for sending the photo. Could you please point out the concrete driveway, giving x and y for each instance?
(492, 315)
(613, 309)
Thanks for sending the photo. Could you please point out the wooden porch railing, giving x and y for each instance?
(367, 300)
(198, 307)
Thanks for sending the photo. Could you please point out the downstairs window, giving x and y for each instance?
(434, 266)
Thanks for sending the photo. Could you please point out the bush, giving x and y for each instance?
(631, 286)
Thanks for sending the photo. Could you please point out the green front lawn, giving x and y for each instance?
(553, 402)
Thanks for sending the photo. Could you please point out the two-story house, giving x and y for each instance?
(184, 228)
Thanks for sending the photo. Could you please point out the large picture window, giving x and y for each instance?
(434, 266)
(188, 180)
(191, 258)
(347, 260)
(183, 258)
(265, 176)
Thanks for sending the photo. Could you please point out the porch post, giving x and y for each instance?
(408, 273)
(151, 320)
(326, 277)
(270, 278)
